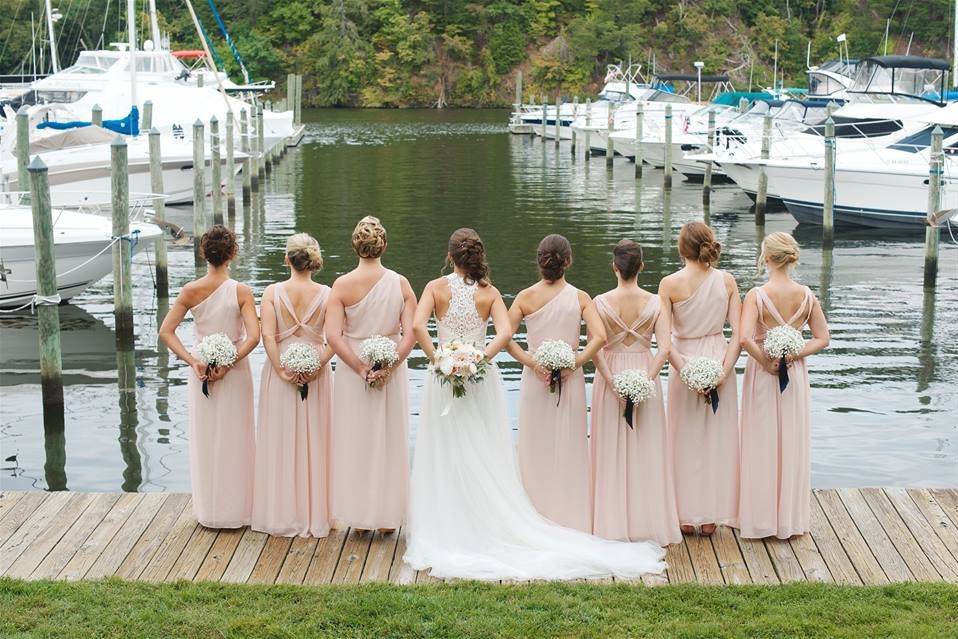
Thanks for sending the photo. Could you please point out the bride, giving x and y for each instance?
(469, 515)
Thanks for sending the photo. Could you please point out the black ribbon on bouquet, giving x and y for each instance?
(206, 385)
(782, 375)
(303, 391)
(629, 410)
(555, 383)
(713, 399)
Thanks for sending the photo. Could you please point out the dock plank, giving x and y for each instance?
(31, 528)
(400, 572)
(928, 541)
(219, 555)
(326, 557)
(875, 544)
(680, 570)
(244, 559)
(759, 564)
(729, 555)
(810, 559)
(270, 560)
(704, 561)
(91, 549)
(919, 565)
(61, 554)
(948, 501)
(49, 535)
(933, 513)
(382, 549)
(193, 555)
(19, 512)
(840, 567)
(353, 558)
(172, 547)
(152, 538)
(126, 537)
(787, 566)
(297, 561)
(9, 499)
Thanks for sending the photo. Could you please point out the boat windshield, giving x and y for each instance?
(921, 140)
(876, 80)
(820, 84)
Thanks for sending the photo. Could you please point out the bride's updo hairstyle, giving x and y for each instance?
(468, 253)
(218, 245)
(303, 253)
(780, 249)
(553, 257)
(369, 238)
(697, 243)
(627, 257)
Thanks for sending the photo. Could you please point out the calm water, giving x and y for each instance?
(884, 399)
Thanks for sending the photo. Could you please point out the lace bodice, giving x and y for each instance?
(462, 320)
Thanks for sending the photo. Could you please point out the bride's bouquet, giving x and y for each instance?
(379, 351)
(555, 355)
(781, 341)
(457, 363)
(702, 375)
(301, 358)
(215, 350)
(634, 386)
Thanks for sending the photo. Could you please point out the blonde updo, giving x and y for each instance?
(303, 253)
(369, 238)
(780, 249)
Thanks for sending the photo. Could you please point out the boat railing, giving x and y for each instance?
(141, 204)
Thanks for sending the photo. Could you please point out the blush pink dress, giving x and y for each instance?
(632, 479)
(221, 425)
(553, 439)
(370, 461)
(706, 454)
(291, 487)
(776, 438)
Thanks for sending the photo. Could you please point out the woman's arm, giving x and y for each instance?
(184, 301)
(333, 327)
(734, 318)
(663, 343)
(747, 328)
(268, 317)
(675, 359)
(595, 330)
(406, 320)
(503, 325)
(516, 314)
(427, 304)
(250, 321)
(820, 333)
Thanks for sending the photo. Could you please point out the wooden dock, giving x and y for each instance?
(868, 536)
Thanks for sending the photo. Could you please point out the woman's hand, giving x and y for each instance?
(306, 378)
(199, 369)
(380, 378)
(217, 373)
(771, 365)
(286, 375)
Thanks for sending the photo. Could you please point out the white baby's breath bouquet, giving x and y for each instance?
(554, 355)
(781, 341)
(379, 351)
(634, 386)
(702, 375)
(302, 358)
(215, 350)
(457, 363)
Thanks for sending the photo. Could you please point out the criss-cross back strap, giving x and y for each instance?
(303, 324)
(765, 303)
(647, 316)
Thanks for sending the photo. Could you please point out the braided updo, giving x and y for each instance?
(553, 257)
(369, 238)
(697, 243)
(468, 253)
(303, 253)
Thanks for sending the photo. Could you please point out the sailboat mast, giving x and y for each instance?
(954, 42)
(154, 25)
(131, 36)
(54, 59)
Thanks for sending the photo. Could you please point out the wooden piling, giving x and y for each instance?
(518, 89)
(575, 115)
(23, 148)
(558, 121)
(96, 116)
(48, 311)
(199, 191)
(933, 230)
(761, 196)
(609, 143)
(199, 81)
(828, 201)
(707, 180)
(545, 118)
(248, 163)
(291, 94)
(588, 132)
(260, 143)
(298, 110)
(146, 120)
(159, 214)
(742, 105)
(123, 249)
(639, 125)
(230, 170)
(216, 172)
(667, 183)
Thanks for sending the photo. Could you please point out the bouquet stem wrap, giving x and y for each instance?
(782, 374)
(713, 399)
(555, 384)
(629, 411)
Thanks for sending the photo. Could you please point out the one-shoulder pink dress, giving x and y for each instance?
(553, 430)
(633, 486)
(291, 487)
(221, 425)
(370, 462)
(776, 437)
(705, 444)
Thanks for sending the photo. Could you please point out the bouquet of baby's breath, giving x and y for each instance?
(781, 341)
(300, 357)
(215, 350)
(379, 351)
(634, 386)
(554, 355)
(702, 375)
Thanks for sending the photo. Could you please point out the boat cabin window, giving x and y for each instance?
(819, 84)
(856, 128)
(900, 81)
(614, 96)
(922, 140)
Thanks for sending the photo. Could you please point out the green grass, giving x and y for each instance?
(132, 610)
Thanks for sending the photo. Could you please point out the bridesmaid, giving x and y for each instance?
(290, 492)
(221, 425)
(776, 425)
(698, 301)
(632, 482)
(553, 439)
(370, 457)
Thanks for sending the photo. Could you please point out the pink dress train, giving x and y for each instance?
(291, 488)
(705, 445)
(776, 438)
(632, 479)
(553, 439)
(370, 462)
(221, 425)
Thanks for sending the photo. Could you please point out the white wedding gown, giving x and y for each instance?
(469, 516)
